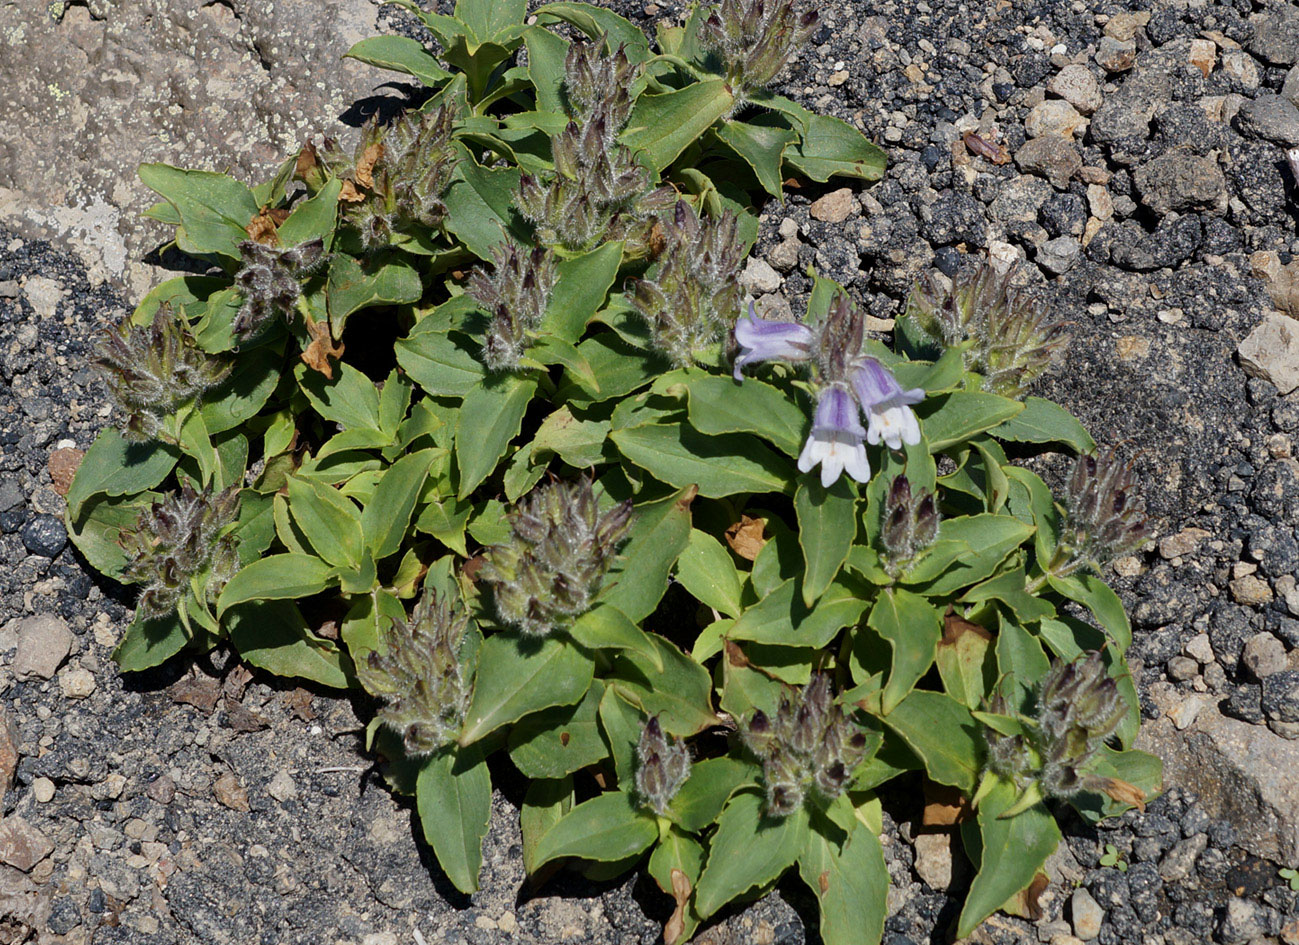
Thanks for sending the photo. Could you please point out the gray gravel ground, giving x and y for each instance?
(1145, 186)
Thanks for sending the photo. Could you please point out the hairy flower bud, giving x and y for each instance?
(1103, 517)
(515, 295)
(1012, 338)
(911, 522)
(598, 85)
(551, 569)
(695, 296)
(152, 372)
(271, 282)
(662, 766)
(810, 745)
(186, 535)
(420, 677)
(751, 41)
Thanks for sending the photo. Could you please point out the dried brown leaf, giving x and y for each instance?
(1026, 903)
(201, 692)
(955, 626)
(261, 228)
(321, 349)
(746, 537)
(349, 194)
(298, 702)
(944, 805)
(676, 923)
(365, 165)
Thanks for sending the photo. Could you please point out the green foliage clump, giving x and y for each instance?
(471, 417)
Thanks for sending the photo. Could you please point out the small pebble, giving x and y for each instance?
(43, 790)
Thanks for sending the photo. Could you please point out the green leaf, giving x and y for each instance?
(388, 278)
(708, 572)
(762, 147)
(489, 419)
(943, 734)
(546, 56)
(1031, 501)
(966, 665)
(718, 405)
(718, 465)
(186, 293)
(680, 693)
(149, 643)
(1013, 850)
(675, 851)
(596, 22)
(453, 795)
(1022, 663)
(949, 419)
(213, 208)
(581, 286)
(368, 620)
(1043, 421)
(662, 125)
(330, 522)
(102, 521)
(606, 829)
(400, 54)
(1100, 599)
(276, 577)
(516, 677)
(387, 514)
(605, 627)
(244, 393)
(443, 364)
(272, 635)
(1142, 770)
(580, 443)
(831, 147)
(780, 616)
(1011, 589)
(480, 206)
(558, 741)
(544, 805)
(658, 535)
(349, 399)
(490, 19)
(621, 723)
(972, 548)
(827, 524)
(850, 882)
(711, 782)
(912, 627)
(748, 850)
(114, 466)
(314, 218)
(612, 368)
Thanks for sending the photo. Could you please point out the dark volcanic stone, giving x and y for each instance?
(45, 535)
(1280, 699)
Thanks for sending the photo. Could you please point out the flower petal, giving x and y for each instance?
(874, 383)
(761, 340)
(836, 412)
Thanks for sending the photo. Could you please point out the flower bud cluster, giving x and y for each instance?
(754, 40)
(184, 536)
(1104, 519)
(1078, 707)
(910, 525)
(271, 282)
(695, 297)
(1012, 339)
(515, 295)
(662, 766)
(420, 677)
(397, 174)
(811, 744)
(554, 564)
(598, 192)
(151, 372)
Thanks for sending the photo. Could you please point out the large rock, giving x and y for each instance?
(1271, 351)
(1276, 37)
(1242, 773)
(1179, 181)
(1271, 118)
(87, 96)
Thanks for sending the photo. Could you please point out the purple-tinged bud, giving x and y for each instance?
(662, 767)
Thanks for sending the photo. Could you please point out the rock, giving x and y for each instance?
(1123, 121)
(1184, 713)
(1242, 921)
(1276, 37)
(43, 790)
(1077, 86)
(1264, 655)
(43, 295)
(1177, 180)
(1242, 773)
(1199, 649)
(230, 793)
(788, 228)
(1182, 668)
(1058, 256)
(1282, 281)
(1124, 26)
(1049, 156)
(44, 535)
(1271, 351)
(834, 207)
(954, 217)
(77, 683)
(1251, 590)
(162, 789)
(281, 787)
(1053, 117)
(1179, 861)
(44, 642)
(22, 845)
(25, 907)
(1280, 699)
(784, 255)
(934, 859)
(759, 277)
(1183, 543)
(1203, 55)
(1114, 55)
(1241, 66)
(8, 752)
(1271, 118)
(1020, 200)
(63, 465)
(1087, 914)
(1290, 88)
(1173, 242)
(11, 495)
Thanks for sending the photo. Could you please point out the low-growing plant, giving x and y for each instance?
(479, 395)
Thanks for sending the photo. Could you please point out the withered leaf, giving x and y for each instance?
(1026, 903)
(955, 626)
(349, 194)
(62, 465)
(676, 923)
(261, 228)
(307, 162)
(202, 693)
(1124, 792)
(243, 719)
(734, 655)
(365, 165)
(321, 349)
(236, 680)
(746, 537)
(298, 702)
(944, 805)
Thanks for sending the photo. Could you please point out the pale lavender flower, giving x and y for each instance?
(835, 442)
(887, 405)
(761, 340)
